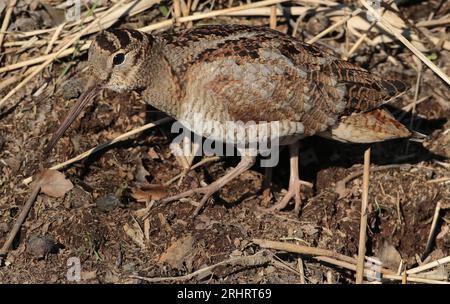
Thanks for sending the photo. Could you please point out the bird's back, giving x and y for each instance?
(245, 73)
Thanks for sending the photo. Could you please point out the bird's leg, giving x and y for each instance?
(207, 191)
(294, 181)
(184, 153)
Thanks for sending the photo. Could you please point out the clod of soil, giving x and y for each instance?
(41, 246)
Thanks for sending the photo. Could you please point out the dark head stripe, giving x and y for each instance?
(105, 42)
(135, 34)
(121, 36)
(113, 40)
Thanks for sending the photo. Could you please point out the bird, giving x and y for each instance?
(215, 77)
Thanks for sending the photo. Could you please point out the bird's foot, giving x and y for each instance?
(206, 191)
(293, 192)
(180, 177)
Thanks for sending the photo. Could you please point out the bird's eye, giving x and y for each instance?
(119, 58)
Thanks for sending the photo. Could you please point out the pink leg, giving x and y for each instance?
(294, 181)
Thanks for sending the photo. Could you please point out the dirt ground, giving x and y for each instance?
(104, 222)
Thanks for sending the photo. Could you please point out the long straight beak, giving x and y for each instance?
(91, 90)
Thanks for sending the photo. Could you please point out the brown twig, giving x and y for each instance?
(20, 219)
(257, 259)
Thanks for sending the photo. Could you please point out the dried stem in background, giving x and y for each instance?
(363, 221)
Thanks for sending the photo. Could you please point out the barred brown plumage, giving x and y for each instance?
(237, 73)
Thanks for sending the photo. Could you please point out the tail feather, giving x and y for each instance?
(365, 91)
(373, 126)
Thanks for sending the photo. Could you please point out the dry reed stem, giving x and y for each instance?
(6, 20)
(55, 55)
(211, 14)
(37, 60)
(301, 270)
(176, 9)
(7, 82)
(54, 37)
(266, 11)
(273, 17)
(340, 260)
(384, 23)
(434, 22)
(363, 36)
(430, 265)
(369, 274)
(301, 249)
(331, 28)
(363, 220)
(432, 233)
(149, 28)
(318, 2)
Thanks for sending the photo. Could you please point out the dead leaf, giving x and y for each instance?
(135, 234)
(177, 253)
(53, 183)
(148, 193)
(153, 154)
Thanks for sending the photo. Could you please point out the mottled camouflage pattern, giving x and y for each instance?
(242, 73)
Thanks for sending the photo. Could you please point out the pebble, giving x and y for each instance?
(107, 203)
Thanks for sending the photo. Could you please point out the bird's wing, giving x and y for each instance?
(263, 75)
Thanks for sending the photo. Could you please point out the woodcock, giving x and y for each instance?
(236, 73)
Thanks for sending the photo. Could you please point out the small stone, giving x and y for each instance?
(79, 198)
(40, 246)
(107, 203)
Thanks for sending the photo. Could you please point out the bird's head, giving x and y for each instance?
(117, 60)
